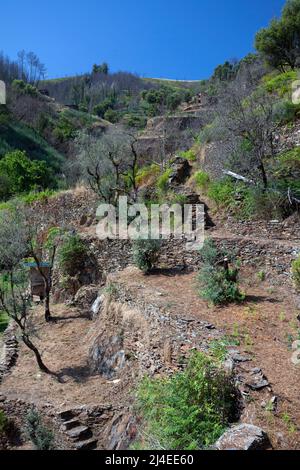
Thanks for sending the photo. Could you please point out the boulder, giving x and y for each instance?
(243, 437)
(86, 296)
(181, 170)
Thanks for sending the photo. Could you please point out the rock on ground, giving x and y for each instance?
(243, 437)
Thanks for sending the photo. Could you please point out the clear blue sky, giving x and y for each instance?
(180, 39)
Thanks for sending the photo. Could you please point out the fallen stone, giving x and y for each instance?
(243, 437)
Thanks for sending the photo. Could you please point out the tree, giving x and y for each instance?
(280, 42)
(43, 247)
(23, 174)
(109, 164)
(14, 298)
(102, 68)
(249, 124)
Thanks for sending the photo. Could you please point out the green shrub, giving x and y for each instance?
(101, 108)
(147, 174)
(163, 180)
(64, 129)
(135, 120)
(280, 84)
(189, 155)
(270, 204)
(217, 284)
(296, 272)
(222, 192)
(41, 437)
(202, 180)
(24, 88)
(72, 255)
(145, 254)
(189, 410)
(112, 116)
(286, 112)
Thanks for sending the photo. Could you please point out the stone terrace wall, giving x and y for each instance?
(274, 257)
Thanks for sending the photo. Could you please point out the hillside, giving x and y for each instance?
(150, 255)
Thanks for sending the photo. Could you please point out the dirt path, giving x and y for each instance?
(64, 346)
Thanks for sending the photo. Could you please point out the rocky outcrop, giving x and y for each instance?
(180, 171)
(243, 437)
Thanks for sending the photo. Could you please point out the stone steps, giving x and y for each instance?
(78, 433)
(89, 444)
(72, 423)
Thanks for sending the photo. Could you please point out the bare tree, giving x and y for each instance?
(109, 164)
(42, 247)
(250, 127)
(14, 296)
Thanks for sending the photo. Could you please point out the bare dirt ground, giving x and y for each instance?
(64, 346)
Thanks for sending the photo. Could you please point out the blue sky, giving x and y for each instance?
(179, 39)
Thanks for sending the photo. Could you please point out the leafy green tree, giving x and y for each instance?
(280, 42)
(102, 68)
(22, 174)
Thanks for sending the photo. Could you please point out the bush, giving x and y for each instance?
(4, 319)
(24, 88)
(189, 155)
(72, 255)
(222, 192)
(64, 129)
(296, 272)
(270, 204)
(189, 410)
(112, 116)
(145, 254)
(280, 84)
(218, 284)
(42, 438)
(134, 120)
(286, 112)
(147, 174)
(101, 108)
(162, 182)
(202, 180)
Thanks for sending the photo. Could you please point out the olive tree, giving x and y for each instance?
(14, 295)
